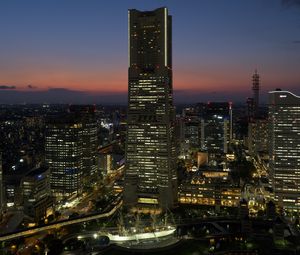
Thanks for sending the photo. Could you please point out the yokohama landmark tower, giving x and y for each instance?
(150, 177)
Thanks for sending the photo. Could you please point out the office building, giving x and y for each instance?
(191, 127)
(105, 164)
(86, 114)
(12, 190)
(2, 190)
(250, 108)
(36, 193)
(150, 177)
(258, 136)
(284, 131)
(71, 149)
(216, 128)
(255, 89)
(64, 154)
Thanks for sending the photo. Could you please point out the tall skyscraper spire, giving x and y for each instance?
(255, 88)
(150, 177)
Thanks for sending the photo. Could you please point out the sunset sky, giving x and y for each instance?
(51, 50)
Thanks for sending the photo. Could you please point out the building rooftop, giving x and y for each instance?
(37, 171)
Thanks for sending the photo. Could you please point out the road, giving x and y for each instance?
(59, 224)
(81, 205)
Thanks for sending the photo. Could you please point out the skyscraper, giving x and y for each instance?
(255, 88)
(64, 154)
(86, 114)
(36, 192)
(216, 127)
(190, 127)
(258, 136)
(150, 178)
(1, 186)
(284, 129)
(71, 149)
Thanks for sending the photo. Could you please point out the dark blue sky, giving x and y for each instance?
(81, 45)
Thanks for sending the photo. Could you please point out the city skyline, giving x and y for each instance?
(197, 160)
(65, 53)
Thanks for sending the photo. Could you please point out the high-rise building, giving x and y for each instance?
(64, 154)
(258, 136)
(216, 127)
(71, 149)
(250, 108)
(284, 129)
(150, 178)
(255, 88)
(191, 127)
(36, 193)
(2, 192)
(86, 114)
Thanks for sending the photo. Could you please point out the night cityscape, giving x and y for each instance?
(150, 127)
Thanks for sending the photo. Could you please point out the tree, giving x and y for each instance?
(57, 215)
(50, 218)
(55, 247)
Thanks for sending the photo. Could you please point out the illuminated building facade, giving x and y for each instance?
(215, 190)
(258, 136)
(64, 154)
(216, 127)
(150, 178)
(191, 127)
(86, 114)
(255, 89)
(71, 149)
(1, 187)
(36, 193)
(284, 129)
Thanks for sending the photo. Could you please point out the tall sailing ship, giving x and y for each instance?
(139, 236)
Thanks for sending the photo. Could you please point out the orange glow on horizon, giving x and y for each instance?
(116, 80)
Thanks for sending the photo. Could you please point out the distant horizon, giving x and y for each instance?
(68, 96)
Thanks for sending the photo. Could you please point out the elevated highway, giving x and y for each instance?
(58, 224)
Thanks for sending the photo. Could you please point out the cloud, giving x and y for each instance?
(290, 3)
(60, 89)
(7, 87)
(29, 86)
(296, 41)
(64, 90)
